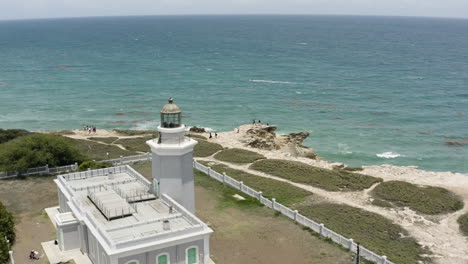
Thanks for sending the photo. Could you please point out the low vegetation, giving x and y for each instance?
(38, 150)
(463, 222)
(135, 144)
(195, 136)
(283, 192)
(7, 232)
(330, 180)
(237, 155)
(228, 199)
(9, 134)
(373, 231)
(93, 165)
(130, 132)
(422, 199)
(205, 148)
(97, 151)
(106, 140)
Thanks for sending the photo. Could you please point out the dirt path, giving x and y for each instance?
(439, 233)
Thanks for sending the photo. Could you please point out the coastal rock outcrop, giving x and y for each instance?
(197, 129)
(264, 137)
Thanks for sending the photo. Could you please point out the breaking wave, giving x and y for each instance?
(270, 81)
(389, 155)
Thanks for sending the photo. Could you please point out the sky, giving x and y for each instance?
(27, 9)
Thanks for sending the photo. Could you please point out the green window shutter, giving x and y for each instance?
(192, 256)
(162, 259)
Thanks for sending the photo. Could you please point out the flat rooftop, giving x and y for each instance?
(118, 201)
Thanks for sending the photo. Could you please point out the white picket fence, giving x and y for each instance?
(45, 170)
(294, 215)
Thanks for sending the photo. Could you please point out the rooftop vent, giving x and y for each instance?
(166, 225)
(110, 175)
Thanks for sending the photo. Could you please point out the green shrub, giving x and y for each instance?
(463, 222)
(423, 199)
(205, 148)
(238, 156)
(283, 192)
(7, 231)
(330, 180)
(373, 231)
(7, 225)
(93, 165)
(4, 248)
(9, 134)
(37, 150)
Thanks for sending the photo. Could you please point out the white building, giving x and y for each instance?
(116, 216)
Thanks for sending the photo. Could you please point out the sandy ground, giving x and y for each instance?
(439, 233)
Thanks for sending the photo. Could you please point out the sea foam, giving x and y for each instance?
(389, 155)
(270, 81)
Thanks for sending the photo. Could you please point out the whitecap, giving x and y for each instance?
(302, 43)
(298, 92)
(146, 125)
(344, 148)
(270, 81)
(389, 155)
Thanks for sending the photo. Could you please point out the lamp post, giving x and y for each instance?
(107, 153)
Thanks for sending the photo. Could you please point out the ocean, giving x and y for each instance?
(370, 90)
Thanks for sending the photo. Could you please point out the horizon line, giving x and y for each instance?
(233, 14)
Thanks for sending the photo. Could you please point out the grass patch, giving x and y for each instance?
(381, 203)
(373, 231)
(107, 140)
(135, 144)
(283, 192)
(227, 193)
(130, 132)
(330, 180)
(422, 199)
(192, 135)
(62, 132)
(205, 148)
(348, 168)
(463, 222)
(97, 151)
(237, 155)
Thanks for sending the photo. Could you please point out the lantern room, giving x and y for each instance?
(171, 115)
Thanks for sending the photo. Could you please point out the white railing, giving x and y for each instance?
(294, 215)
(45, 170)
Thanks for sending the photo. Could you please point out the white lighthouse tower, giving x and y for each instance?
(172, 160)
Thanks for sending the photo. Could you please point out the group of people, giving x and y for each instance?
(259, 122)
(89, 129)
(216, 135)
(33, 254)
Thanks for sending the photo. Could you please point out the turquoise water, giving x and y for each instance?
(363, 86)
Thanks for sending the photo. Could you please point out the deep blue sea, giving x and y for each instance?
(370, 90)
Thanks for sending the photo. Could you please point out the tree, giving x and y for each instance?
(38, 150)
(7, 231)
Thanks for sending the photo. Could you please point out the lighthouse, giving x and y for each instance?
(172, 158)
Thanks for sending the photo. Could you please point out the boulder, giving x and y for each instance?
(197, 129)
